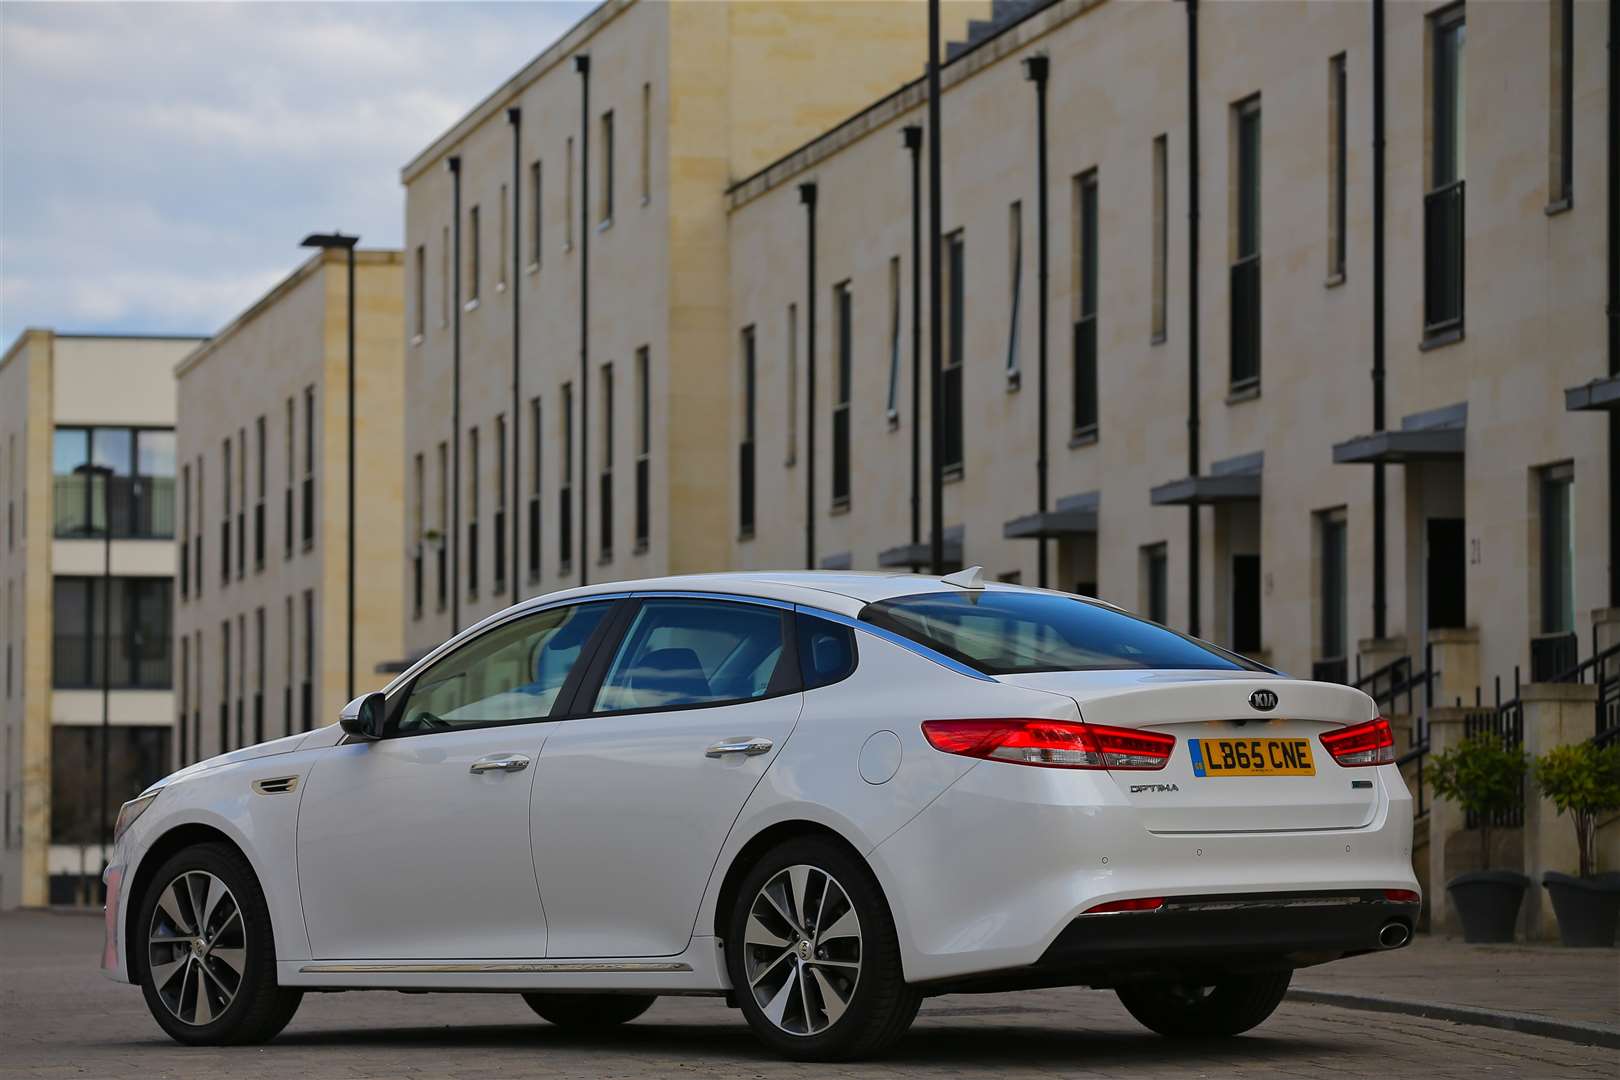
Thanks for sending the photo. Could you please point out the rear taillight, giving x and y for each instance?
(1402, 896)
(1051, 743)
(1115, 907)
(1372, 743)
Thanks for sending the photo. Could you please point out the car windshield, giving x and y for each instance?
(1003, 632)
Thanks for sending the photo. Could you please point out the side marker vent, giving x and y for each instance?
(279, 785)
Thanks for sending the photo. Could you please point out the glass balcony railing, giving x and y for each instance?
(137, 507)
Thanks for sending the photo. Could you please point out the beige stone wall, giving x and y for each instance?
(658, 271)
(1533, 309)
(293, 339)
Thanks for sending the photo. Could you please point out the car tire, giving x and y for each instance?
(207, 954)
(838, 992)
(589, 1012)
(1229, 1007)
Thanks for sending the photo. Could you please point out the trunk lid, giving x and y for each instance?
(1215, 705)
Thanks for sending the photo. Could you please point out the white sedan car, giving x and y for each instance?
(825, 796)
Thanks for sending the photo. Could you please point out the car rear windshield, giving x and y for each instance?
(1003, 632)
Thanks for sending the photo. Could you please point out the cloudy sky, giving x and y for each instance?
(160, 162)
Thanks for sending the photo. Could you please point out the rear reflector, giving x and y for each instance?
(1051, 743)
(1114, 907)
(1402, 896)
(1372, 743)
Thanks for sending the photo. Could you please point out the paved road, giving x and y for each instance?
(60, 1018)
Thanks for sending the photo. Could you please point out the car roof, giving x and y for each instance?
(843, 591)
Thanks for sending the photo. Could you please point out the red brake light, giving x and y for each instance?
(1372, 743)
(1052, 743)
(1114, 907)
(1402, 896)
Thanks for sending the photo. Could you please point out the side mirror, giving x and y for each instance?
(364, 716)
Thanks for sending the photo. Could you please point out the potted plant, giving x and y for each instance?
(1484, 776)
(1583, 781)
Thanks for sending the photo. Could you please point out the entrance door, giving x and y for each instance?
(1446, 573)
(1246, 604)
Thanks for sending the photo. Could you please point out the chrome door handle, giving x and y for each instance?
(500, 763)
(751, 747)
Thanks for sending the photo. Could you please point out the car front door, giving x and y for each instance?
(416, 845)
(634, 797)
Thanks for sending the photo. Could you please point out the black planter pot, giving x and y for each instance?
(1588, 908)
(1488, 903)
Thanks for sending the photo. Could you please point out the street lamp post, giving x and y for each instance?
(328, 242)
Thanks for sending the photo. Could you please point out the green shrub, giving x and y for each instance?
(1582, 780)
(1484, 776)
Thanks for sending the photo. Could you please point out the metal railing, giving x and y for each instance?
(1505, 721)
(1443, 210)
(1336, 670)
(1388, 684)
(1415, 758)
(1602, 669)
(1552, 655)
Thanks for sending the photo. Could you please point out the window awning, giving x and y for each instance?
(919, 554)
(841, 560)
(1232, 480)
(1074, 515)
(1599, 395)
(1437, 435)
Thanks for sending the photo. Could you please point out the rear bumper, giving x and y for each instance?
(1203, 938)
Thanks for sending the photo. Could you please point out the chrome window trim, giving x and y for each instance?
(890, 636)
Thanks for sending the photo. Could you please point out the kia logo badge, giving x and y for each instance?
(1263, 700)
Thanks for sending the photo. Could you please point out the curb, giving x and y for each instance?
(1576, 1031)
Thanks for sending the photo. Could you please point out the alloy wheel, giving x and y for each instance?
(802, 950)
(197, 948)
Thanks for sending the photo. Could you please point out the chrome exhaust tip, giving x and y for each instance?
(1394, 935)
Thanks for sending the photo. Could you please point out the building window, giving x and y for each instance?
(891, 406)
(536, 213)
(1333, 644)
(604, 504)
(184, 724)
(444, 277)
(646, 143)
(1015, 277)
(1561, 97)
(258, 675)
(791, 456)
(225, 685)
(133, 631)
(441, 533)
(197, 550)
(307, 704)
(241, 506)
(1337, 166)
(419, 314)
(185, 531)
(643, 447)
(472, 512)
(261, 440)
(565, 487)
(228, 479)
(309, 468)
(955, 328)
(472, 254)
(241, 679)
(1444, 205)
(1155, 582)
(418, 493)
(1161, 234)
(136, 756)
(843, 376)
(535, 443)
(1558, 549)
(568, 195)
(498, 536)
(745, 451)
(1245, 272)
(605, 196)
(120, 479)
(287, 687)
(500, 243)
(1085, 322)
(287, 503)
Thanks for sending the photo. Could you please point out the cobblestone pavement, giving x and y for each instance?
(60, 1018)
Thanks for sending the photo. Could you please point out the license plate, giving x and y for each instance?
(1252, 757)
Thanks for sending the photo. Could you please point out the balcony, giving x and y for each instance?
(1443, 221)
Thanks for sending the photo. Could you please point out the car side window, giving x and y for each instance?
(510, 674)
(826, 651)
(694, 652)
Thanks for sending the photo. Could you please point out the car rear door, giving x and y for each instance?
(634, 798)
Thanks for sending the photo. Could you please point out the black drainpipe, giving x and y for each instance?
(1614, 307)
(807, 196)
(936, 345)
(582, 64)
(1036, 69)
(455, 395)
(914, 136)
(1380, 496)
(1194, 568)
(514, 116)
